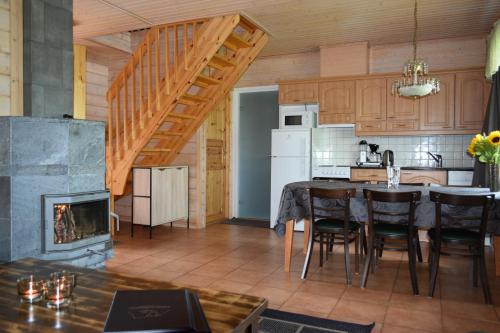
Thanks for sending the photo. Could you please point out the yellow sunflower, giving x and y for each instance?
(472, 146)
(494, 138)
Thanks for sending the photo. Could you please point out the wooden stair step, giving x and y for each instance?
(235, 42)
(193, 98)
(219, 61)
(205, 81)
(181, 116)
(153, 151)
(166, 134)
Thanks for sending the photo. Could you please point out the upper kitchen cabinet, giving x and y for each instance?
(298, 93)
(371, 105)
(402, 113)
(471, 99)
(337, 102)
(437, 111)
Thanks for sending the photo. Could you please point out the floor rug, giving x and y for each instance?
(248, 222)
(275, 321)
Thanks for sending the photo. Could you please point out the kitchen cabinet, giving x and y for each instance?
(369, 175)
(371, 100)
(424, 176)
(437, 112)
(471, 99)
(159, 195)
(298, 93)
(371, 106)
(402, 113)
(337, 102)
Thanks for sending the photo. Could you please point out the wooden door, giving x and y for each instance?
(217, 139)
(298, 93)
(337, 102)
(437, 111)
(371, 104)
(471, 99)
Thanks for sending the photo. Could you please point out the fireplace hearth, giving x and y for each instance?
(73, 221)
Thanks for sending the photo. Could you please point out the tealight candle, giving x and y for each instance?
(29, 289)
(65, 275)
(58, 292)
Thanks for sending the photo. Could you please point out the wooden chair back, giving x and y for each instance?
(340, 200)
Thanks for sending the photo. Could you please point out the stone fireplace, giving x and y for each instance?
(53, 200)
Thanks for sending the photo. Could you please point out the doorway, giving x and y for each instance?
(255, 114)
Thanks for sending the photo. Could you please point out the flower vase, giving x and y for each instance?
(493, 177)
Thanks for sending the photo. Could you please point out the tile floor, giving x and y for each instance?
(250, 260)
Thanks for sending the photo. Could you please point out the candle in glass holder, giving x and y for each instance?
(65, 275)
(58, 292)
(29, 289)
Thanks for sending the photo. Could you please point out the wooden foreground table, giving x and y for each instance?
(225, 312)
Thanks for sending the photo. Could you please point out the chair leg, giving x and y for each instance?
(475, 262)
(332, 239)
(379, 251)
(483, 273)
(367, 263)
(434, 268)
(347, 260)
(310, 250)
(419, 250)
(363, 239)
(412, 261)
(321, 250)
(356, 254)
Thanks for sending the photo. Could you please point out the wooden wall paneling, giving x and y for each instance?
(337, 102)
(79, 81)
(16, 58)
(270, 70)
(216, 159)
(437, 111)
(471, 99)
(97, 85)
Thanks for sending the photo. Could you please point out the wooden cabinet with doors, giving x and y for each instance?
(437, 112)
(471, 99)
(424, 176)
(298, 93)
(402, 112)
(371, 105)
(337, 100)
(369, 175)
(159, 195)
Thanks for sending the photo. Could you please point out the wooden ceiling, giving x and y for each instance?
(299, 25)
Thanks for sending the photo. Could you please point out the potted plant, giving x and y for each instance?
(486, 148)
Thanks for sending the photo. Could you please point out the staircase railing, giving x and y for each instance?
(137, 91)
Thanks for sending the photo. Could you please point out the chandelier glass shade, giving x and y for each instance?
(415, 81)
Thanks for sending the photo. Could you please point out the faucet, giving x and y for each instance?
(438, 158)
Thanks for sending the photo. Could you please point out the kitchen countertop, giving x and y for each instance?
(416, 168)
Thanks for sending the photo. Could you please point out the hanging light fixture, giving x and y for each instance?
(415, 82)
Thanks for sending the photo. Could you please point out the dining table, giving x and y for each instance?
(295, 206)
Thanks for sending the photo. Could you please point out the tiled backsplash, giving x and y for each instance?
(340, 146)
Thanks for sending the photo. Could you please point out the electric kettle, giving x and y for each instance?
(388, 158)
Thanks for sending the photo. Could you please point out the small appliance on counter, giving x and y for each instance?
(368, 155)
(388, 158)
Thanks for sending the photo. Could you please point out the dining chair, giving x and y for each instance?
(330, 216)
(391, 216)
(452, 210)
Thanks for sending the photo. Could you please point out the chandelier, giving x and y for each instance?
(415, 81)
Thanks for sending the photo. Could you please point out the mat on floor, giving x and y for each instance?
(248, 222)
(275, 321)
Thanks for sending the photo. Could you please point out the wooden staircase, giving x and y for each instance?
(173, 80)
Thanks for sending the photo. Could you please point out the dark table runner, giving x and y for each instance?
(294, 202)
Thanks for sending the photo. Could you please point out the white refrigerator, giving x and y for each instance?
(290, 162)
